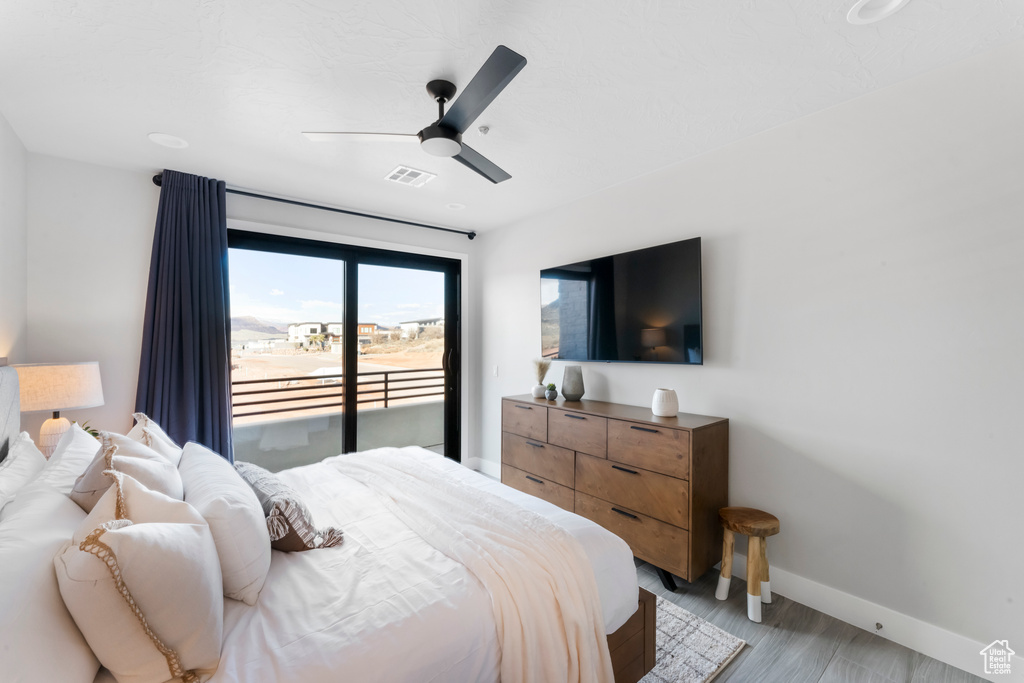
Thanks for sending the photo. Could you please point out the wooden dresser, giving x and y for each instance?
(658, 482)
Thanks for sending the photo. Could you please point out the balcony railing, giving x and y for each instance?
(305, 392)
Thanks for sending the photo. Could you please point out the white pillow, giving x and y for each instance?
(146, 595)
(128, 498)
(148, 432)
(131, 457)
(38, 638)
(75, 450)
(22, 464)
(235, 517)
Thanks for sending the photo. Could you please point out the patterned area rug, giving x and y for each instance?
(689, 649)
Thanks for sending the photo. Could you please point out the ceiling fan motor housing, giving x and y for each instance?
(440, 141)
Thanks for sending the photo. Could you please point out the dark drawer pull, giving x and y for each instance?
(643, 429)
(624, 513)
(575, 417)
(624, 469)
(535, 445)
(539, 481)
(524, 407)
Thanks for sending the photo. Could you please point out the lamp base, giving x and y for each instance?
(50, 433)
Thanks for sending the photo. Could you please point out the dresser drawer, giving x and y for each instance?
(659, 543)
(537, 486)
(658, 449)
(536, 457)
(524, 419)
(578, 432)
(656, 495)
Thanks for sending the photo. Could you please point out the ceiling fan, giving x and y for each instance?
(443, 138)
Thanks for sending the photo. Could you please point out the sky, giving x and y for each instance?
(281, 288)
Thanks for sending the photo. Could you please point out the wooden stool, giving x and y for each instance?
(758, 526)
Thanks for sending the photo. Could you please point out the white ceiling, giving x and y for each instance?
(612, 90)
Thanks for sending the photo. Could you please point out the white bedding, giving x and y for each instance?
(385, 605)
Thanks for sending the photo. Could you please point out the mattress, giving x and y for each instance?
(385, 605)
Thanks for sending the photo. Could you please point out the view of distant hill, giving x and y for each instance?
(251, 324)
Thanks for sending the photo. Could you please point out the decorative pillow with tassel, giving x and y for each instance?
(289, 522)
(142, 581)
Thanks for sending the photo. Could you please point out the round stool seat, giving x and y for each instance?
(749, 522)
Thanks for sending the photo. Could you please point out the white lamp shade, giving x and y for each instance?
(59, 386)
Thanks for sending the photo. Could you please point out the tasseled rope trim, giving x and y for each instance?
(94, 546)
(120, 509)
(291, 517)
(147, 436)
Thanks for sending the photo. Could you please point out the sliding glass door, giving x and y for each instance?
(338, 348)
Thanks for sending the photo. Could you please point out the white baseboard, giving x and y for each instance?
(934, 641)
(491, 469)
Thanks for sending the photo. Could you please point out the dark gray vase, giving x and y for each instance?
(572, 383)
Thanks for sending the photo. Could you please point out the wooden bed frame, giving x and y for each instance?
(632, 646)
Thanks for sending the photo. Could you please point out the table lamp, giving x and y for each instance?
(56, 387)
(652, 338)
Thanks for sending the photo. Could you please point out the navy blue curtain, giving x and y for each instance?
(184, 376)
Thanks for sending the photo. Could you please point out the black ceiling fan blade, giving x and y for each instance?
(472, 159)
(496, 73)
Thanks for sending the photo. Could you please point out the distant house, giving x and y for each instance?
(301, 332)
(366, 332)
(411, 329)
(333, 331)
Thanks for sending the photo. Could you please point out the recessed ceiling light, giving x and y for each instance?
(455, 206)
(870, 11)
(166, 140)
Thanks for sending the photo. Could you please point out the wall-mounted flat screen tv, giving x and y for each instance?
(640, 306)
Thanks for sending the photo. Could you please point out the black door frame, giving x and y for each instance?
(354, 256)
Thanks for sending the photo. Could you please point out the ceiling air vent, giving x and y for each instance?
(403, 175)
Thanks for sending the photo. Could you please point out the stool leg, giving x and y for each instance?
(754, 579)
(766, 584)
(722, 592)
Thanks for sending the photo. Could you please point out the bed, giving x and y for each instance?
(386, 604)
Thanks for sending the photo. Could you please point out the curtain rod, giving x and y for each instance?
(158, 179)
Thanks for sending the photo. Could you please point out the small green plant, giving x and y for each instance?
(95, 433)
(552, 387)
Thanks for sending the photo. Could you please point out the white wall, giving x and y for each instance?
(13, 246)
(863, 298)
(90, 237)
(89, 241)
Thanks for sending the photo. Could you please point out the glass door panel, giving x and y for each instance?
(287, 372)
(337, 348)
(401, 343)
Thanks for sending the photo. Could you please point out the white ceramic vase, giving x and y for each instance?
(665, 403)
(538, 391)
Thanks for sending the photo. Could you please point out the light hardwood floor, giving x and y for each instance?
(797, 644)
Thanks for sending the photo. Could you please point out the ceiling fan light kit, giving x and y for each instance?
(443, 138)
(440, 141)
